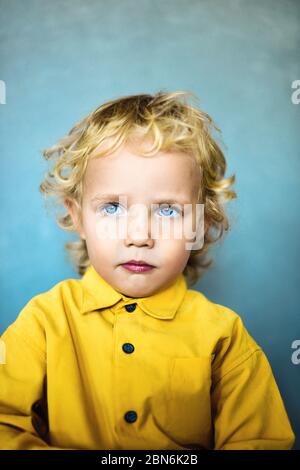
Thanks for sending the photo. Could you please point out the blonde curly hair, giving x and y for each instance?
(173, 124)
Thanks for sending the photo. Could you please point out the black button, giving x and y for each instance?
(128, 348)
(130, 416)
(36, 407)
(130, 307)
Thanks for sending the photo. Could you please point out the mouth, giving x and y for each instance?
(137, 266)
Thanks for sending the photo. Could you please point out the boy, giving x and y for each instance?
(128, 357)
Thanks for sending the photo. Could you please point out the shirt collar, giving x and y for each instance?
(98, 294)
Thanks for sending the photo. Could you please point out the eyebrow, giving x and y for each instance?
(116, 197)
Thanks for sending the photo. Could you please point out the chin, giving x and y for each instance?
(137, 293)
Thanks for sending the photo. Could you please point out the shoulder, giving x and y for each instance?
(216, 315)
(229, 336)
(49, 307)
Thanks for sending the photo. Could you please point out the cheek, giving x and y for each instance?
(176, 229)
(110, 229)
(99, 243)
(174, 252)
(100, 230)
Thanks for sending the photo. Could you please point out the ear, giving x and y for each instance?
(74, 213)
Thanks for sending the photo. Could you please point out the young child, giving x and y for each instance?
(128, 356)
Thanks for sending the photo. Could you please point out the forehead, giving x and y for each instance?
(127, 171)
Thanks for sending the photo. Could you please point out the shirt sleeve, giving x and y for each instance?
(23, 409)
(247, 408)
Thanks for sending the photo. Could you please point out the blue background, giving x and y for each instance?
(61, 59)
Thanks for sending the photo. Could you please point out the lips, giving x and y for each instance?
(137, 266)
(138, 263)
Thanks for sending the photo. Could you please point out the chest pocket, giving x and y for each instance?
(187, 416)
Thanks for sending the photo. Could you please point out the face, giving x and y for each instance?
(140, 201)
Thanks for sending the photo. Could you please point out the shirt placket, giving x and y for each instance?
(126, 364)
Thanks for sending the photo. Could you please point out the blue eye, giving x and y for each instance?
(109, 208)
(165, 210)
(169, 211)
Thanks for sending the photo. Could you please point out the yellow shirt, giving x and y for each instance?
(89, 368)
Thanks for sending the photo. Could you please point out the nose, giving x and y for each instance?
(139, 227)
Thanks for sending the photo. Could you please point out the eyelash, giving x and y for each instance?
(116, 204)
